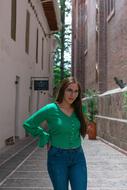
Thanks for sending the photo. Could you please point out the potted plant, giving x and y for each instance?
(91, 104)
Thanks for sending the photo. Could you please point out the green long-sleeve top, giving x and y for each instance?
(63, 130)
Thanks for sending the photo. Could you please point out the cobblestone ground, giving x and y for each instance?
(107, 167)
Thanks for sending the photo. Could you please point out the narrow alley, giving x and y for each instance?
(23, 167)
(41, 43)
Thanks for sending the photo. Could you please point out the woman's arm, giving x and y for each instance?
(86, 114)
(32, 125)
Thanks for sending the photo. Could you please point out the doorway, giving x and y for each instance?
(17, 81)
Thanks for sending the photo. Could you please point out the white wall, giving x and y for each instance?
(15, 62)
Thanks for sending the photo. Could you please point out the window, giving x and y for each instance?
(86, 30)
(110, 9)
(42, 58)
(13, 19)
(37, 47)
(97, 30)
(27, 31)
(96, 73)
(97, 42)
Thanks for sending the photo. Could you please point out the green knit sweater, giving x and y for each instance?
(63, 130)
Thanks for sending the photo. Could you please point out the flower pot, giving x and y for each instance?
(91, 130)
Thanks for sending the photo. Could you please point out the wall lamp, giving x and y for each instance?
(120, 82)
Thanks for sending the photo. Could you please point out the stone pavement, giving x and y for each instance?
(23, 167)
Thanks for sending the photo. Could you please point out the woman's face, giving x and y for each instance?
(71, 93)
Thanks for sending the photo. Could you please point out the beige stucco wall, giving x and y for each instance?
(15, 62)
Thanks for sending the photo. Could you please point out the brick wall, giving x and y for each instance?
(78, 67)
(90, 57)
(102, 44)
(112, 44)
(117, 44)
(111, 61)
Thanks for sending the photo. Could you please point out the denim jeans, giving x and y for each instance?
(67, 165)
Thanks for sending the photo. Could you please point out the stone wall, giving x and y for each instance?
(112, 118)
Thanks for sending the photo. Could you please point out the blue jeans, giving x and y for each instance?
(67, 165)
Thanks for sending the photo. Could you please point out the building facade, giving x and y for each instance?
(26, 59)
(99, 47)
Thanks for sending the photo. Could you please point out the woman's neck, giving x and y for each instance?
(65, 105)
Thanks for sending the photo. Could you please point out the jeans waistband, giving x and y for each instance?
(67, 149)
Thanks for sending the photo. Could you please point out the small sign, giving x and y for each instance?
(41, 85)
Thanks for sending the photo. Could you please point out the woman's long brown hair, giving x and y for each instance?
(77, 104)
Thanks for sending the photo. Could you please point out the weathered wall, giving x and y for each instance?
(112, 119)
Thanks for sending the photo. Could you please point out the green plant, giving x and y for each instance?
(91, 101)
(125, 101)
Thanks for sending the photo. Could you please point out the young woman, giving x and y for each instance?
(66, 124)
